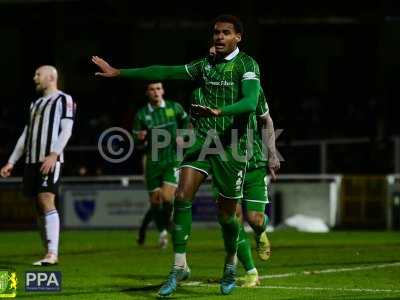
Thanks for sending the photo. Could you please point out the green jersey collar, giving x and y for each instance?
(151, 109)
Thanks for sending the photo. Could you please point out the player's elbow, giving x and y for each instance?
(268, 121)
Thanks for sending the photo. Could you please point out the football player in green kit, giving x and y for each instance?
(255, 194)
(160, 165)
(229, 86)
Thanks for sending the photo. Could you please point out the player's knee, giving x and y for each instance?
(239, 213)
(182, 195)
(225, 216)
(225, 219)
(46, 202)
(155, 198)
(256, 218)
(45, 207)
(167, 196)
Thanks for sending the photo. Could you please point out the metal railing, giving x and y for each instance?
(323, 151)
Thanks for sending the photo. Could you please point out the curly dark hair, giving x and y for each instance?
(235, 21)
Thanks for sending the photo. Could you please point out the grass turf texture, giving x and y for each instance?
(109, 265)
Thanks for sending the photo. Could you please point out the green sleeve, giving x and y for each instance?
(194, 69)
(182, 116)
(262, 105)
(157, 73)
(251, 90)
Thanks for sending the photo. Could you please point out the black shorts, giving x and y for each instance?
(35, 182)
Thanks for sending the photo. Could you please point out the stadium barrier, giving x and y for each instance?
(121, 201)
(393, 202)
(364, 201)
(310, 195)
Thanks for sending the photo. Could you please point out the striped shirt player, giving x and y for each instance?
(48, 130)
(159, 122)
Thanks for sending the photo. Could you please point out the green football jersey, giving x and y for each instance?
(221, 85)
(169, 116)
(258, 158)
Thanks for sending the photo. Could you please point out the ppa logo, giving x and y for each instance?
(37, 281)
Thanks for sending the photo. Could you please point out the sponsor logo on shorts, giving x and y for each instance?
(45, 179)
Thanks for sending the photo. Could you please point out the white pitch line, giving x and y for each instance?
(302, 288)
(327, 289)
(360, 268)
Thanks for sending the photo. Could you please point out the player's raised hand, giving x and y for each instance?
(6, 170)
(212, 51)
(204, 111)
(106, 69)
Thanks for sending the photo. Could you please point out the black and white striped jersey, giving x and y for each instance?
(44, 125)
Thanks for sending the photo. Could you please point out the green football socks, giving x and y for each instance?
(244, 250)
(230, 231)
(182, 225)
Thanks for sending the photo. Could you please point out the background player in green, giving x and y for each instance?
(255, 194)
(160, 164)
(230, 85)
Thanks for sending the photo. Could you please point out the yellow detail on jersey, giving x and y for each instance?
(170, 112)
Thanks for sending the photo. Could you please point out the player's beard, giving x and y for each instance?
(39, 89)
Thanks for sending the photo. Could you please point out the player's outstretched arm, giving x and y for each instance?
(106, 69)
(15, 156)
(147, 73)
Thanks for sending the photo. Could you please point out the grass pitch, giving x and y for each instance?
(109, 265)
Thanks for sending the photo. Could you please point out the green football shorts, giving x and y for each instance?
(255, 192)
(157, 174)
(226, 171)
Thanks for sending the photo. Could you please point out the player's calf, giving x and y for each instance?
(50, 228)
(258, 221)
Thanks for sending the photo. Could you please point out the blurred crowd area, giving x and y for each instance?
(329, 69)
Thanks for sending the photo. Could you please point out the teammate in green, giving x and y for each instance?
(159, 117)
(229, 85)
(255, 194)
